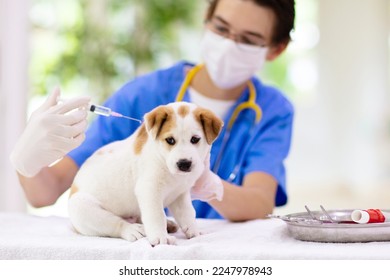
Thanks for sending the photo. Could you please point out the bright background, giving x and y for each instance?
(336, 73)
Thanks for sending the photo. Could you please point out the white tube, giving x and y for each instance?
(360, 216)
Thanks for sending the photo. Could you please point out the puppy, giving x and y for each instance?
(138, 177)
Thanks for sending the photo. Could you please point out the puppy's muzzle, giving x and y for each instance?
(184, 165)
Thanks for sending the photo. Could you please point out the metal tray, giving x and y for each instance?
(333, 226)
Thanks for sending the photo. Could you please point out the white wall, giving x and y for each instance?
(13, 94)
(354, 71)
(343, 135)
(341, 146)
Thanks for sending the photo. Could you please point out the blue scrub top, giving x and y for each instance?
(269, 139)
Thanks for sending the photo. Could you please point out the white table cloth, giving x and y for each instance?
(24, 236)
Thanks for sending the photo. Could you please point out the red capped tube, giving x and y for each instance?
(370, 216)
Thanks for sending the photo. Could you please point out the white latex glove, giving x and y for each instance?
(209, 186)
(52, 131)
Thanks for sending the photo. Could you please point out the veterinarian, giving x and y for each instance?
(247, 160)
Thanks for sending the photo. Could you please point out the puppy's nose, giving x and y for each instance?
(184, 165)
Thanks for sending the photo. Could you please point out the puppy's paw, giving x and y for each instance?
(132, 232)
(164, 239)
(190, 231)
(172, 227)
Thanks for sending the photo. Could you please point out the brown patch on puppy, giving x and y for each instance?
(210, 123)
(183, 111)
(73, 189)
(160, 121)
(140, 140)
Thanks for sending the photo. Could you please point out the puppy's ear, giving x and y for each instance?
(159, 119)
(210, 123)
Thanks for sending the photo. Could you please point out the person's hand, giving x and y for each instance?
(209, 186)
(52, 131)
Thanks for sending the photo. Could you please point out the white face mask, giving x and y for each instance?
(228, 63)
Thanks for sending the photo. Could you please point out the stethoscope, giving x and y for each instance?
(249, 104)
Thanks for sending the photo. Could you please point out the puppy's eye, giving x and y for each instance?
(170, 140)
(195, 139)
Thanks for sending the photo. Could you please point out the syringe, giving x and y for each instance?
(107, 112)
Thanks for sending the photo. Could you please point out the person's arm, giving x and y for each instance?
(254, 200)
(50, 183)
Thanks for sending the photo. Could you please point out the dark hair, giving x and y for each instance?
(284, 11)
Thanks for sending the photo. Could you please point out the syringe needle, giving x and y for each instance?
(133, 119)
(115, 114)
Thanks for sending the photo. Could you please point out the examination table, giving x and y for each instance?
(24, 236)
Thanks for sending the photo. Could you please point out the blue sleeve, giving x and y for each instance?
(271, 146)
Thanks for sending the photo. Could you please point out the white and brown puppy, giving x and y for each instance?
(138, 177)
